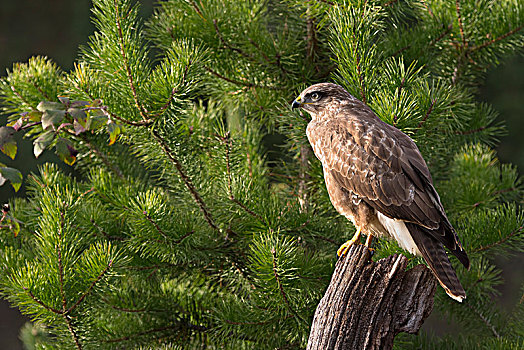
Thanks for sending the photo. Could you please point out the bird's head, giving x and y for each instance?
(320, 98)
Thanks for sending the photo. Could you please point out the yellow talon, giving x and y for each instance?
(345, 247)
(368, 240)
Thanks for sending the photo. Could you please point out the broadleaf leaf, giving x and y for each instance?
(41, 143)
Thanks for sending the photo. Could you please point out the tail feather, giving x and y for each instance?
(435, 255)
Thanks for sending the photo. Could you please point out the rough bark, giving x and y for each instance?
(367, 303)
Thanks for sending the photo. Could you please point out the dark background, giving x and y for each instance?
(56, 28)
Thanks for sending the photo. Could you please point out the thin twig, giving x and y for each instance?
(140, 107)
(100, 155)
(429, 9)
(504, 36)
(484, 319)
(260, 323)
(104, 233)
(227, 141)
(59, 255)
(242, 83)
(469, 132)
(19, 96)
(131, 122)
(156, 330)
(72, 331)
(193, 3)
(38, 301)
(67, 319)
(427, 114)
(174, 91)
(461, 26)
(184, 236)
(187, 181)
(229, 46)
(162, 233)
(40, 90)
(441, 36)
(90, 288)
(499, 242)
(281, 286)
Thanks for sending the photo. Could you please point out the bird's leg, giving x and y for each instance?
(345, 247)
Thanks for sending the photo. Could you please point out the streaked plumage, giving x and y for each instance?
(377, 178)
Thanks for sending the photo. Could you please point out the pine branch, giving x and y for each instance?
(38, 301)
(61, 280)
(174, 91)
(193, 3)
(266, 58)
(187, 181)
(100, 155)
(184, 236)
(113, 115)
(104, 233)
(140, 107)
(176, 327)
(17, 94)
(428, 8)
(59, 255)
(281, 287)
(493, 41)
(501, 241)
(461, 26)
(469, 132)
(421, 123)
(227, 141)
(229, 46)
(44, 95)
(484, 319)
(242, 83)
(442, 35)
(159, 230)
(72, 331)
(82, 297)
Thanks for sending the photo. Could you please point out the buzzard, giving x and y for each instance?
(377, 178)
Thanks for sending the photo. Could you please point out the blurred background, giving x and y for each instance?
(56, 28)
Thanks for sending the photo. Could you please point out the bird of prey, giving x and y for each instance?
(377, 178)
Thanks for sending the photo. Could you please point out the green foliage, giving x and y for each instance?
(201, 218)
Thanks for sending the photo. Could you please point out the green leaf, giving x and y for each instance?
(114, 130)
(17, 124)
(34, 116)
(65, 151)
(13, 175)
(80, 122)
(77, 113)
(47, 105)
(97, 121)
(64, 100)
(7, 141)
(78, 104)
(51, 118)
(42, 142)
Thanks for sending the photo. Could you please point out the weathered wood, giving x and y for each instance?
(367, 303)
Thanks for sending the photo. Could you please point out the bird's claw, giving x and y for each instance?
(345, 247)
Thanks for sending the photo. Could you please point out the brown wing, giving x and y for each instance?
(384, 167)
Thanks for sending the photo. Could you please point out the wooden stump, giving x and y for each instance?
(367, 303)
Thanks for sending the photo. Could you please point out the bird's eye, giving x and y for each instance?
(315, 96)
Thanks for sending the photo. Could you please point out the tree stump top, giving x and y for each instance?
(367, 303)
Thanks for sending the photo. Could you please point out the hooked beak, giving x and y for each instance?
(296, 103)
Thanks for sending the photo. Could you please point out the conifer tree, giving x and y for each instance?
(201, 219)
